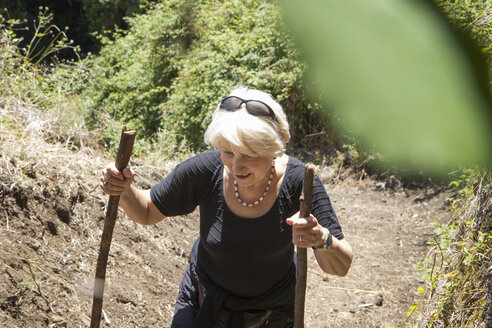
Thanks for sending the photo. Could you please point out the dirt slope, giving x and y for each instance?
(51, 218)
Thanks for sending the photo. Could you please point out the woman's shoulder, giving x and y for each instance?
(209, 157)
(294, 167)
(294, 162)
(206, 161)
(293, 174)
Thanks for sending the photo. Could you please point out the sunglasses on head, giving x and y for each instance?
(254, 107)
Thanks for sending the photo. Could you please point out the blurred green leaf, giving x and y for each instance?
(399, 77)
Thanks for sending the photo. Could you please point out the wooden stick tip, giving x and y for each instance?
(128, 131)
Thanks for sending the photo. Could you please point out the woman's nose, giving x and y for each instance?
(237, 162)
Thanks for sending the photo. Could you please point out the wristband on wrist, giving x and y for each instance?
(327, 244)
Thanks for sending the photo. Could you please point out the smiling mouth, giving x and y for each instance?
(241, 176)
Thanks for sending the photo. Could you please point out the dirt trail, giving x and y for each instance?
(388, 231)
(51, 218)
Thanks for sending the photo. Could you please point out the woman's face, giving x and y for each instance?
(248, 171)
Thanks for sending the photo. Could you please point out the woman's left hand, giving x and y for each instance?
(307, 232)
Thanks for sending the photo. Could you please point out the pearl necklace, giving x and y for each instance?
(256, 202)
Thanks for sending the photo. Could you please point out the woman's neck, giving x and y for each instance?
(252, 193)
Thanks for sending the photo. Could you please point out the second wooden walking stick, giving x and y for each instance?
(304, 212)
(122, 159)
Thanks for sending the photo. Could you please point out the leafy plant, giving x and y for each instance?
(49, 90)
(464, 181)
(472, 17)
(456, 267)
(48, 38)
(165, 75)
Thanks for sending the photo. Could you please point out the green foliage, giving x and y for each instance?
(40, 83)
(165, 75)
(81, 19)
(104, 15)
(399, 78)
(67, 14)
(354, 155)
(26, 81)
(464, 181)
(456, 267)
(131, 76)
(236, 45)
(18, 79)
(9, 53)
(472, 17)
(47, 40)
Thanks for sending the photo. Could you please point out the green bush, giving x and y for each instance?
(165, 75)
(131, 76)
(103, 15)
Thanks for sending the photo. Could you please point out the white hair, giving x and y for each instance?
(249, 134)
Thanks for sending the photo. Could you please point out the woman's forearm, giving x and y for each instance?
(337, 259)
(139, 207)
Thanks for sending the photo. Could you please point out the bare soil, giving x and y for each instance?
(51, 219)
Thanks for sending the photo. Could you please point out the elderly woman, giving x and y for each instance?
(242, 270)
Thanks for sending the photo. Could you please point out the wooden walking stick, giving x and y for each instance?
(304, 211)
(122, 159)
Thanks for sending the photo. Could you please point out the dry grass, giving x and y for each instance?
(46, 165)
(34, 141)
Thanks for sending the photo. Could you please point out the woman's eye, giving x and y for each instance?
(229, 153)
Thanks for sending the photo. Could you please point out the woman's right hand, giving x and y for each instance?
(114, 182)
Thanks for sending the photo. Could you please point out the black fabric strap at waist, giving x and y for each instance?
(280, 296)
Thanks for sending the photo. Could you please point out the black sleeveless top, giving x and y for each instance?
(247, 257)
